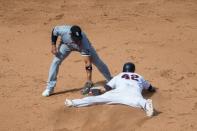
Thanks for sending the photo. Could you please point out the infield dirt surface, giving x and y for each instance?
(159, 36)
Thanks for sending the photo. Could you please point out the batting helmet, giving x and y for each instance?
(129, 67)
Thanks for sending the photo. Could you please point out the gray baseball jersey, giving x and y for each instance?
(64, 49)
(64, 32)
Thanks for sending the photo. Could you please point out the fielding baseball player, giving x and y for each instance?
(125, 88)
(73, 39)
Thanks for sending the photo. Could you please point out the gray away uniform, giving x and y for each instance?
(65, 48)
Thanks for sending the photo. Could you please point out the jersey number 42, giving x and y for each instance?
(130, 77)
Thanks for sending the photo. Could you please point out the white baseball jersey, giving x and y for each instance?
(128, 83)
(126, 89)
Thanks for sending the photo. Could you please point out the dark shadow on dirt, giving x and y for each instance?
(67, 91)
(98, 83)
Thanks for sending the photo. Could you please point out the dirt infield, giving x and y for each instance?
(160, 36)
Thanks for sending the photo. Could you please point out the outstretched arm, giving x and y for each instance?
(99, 90)
(102, 89)
(147, 86)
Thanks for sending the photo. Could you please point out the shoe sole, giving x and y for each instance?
(68, 103)
(44, 94)
(151, 109)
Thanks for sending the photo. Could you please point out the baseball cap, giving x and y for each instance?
(76, 33)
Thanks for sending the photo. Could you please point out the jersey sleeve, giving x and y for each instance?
(56, 31)
(85, 50)
(53, 38)
(145, 83)
(112, 83)
(54, 35)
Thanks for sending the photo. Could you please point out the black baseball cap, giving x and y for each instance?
(76, 33)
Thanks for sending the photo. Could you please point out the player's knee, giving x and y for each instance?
(56, 61)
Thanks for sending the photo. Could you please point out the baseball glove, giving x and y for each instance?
(86, 88)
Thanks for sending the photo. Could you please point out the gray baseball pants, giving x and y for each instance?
(63, 52)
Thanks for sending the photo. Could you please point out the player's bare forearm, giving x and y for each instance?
(89, 75)
(97, 91)
(88, 67)
(102, 90)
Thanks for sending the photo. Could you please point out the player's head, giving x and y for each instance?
(76, 33)
(129, 67)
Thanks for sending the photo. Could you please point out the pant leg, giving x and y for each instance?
(101, 66)
(63, 52)
(110, 98)
(134, 100)
(105, 98)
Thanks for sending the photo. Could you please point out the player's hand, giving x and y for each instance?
(102, 90)
(151, 89)
(94, 92)
(54, 49)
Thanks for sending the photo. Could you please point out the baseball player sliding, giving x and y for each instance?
(73, 39)
(125, 88)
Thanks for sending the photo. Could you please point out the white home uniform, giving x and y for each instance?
(66, 47)
(126, 89)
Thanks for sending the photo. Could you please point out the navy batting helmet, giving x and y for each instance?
(129, 67)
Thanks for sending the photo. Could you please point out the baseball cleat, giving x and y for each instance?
(149, 108)
(47, 92)
(68, 103)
